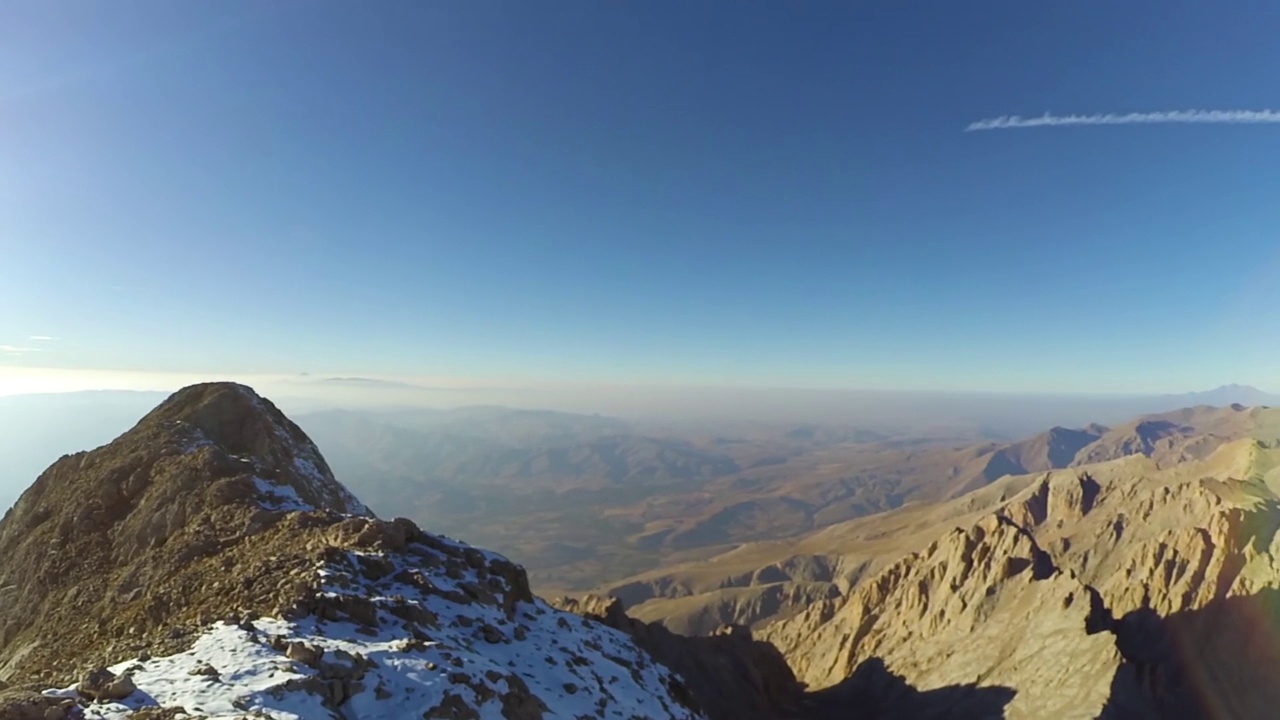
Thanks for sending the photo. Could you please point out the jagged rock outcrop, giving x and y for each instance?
(699, 593)
(983, 606)
(1054, 594)
(729, 674)
(1167, 540)
(207, 559)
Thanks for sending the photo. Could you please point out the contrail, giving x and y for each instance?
(1006, 122)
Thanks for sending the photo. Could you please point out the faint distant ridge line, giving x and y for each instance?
(1204, 117)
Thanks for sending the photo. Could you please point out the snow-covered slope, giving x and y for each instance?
(207, 564)
(433, 631)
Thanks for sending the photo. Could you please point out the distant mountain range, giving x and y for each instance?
(522, 480)
(1226, 395)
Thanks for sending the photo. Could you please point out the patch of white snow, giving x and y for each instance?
(280, 497)
(466, 640)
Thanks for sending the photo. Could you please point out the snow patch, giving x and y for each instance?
(280, 497)
(439, 626)
(250, 674)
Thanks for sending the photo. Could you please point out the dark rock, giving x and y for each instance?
(728, 676)
(102, 685)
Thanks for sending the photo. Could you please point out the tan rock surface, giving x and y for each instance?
(1171, 542)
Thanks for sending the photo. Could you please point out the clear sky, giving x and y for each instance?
(681, 192)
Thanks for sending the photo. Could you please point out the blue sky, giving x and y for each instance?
(679, 192)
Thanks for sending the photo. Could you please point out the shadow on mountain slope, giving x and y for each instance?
(731, 675)
(873, 692)
(1220, 662)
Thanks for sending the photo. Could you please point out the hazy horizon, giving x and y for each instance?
(1003, 413)
(17, 379)
(41, 426)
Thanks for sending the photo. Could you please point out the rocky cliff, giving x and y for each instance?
(207, 562)
(1115, 588)
(1113, 591)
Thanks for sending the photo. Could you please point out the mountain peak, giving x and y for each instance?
(209, 468)
(288, 470)
(1233, 394)
(217, 408)
(207, 560)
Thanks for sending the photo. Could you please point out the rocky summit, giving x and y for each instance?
(207, 564)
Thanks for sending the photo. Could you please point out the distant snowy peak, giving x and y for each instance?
(436, 629)
(1228, 395)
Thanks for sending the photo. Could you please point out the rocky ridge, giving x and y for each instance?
(761, 582)
(1080, 596)
(207, 564)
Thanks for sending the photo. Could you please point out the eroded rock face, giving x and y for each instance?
(1151, 595)
(982, 606)
(207, 558)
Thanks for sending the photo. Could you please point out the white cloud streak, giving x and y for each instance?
(1205, 117)
(16, 350)
(42, 338)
